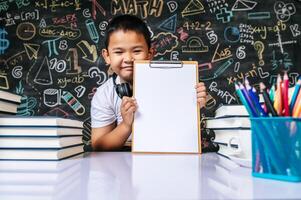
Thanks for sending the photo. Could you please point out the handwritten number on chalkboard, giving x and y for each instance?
(197, 26)
(72, 58)
(208, 26)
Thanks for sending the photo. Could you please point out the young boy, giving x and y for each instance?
(127, 39)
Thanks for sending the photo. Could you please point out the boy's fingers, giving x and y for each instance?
(201, 101)
(201, 89)
(200, 84)
(201, 95)
(129, 104)
(128, 99)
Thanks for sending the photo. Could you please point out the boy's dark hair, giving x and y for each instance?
(127, 23)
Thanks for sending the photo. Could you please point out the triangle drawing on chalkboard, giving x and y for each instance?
(194, 7)
(241, 5)
(31, 50)
(221, 54)
(44, 77)
(169, 24)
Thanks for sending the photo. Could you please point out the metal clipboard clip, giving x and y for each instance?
(166, 64)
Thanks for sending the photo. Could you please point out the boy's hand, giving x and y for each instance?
(127, 109)
(201, 94)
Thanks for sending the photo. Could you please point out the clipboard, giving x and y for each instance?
(168, 118)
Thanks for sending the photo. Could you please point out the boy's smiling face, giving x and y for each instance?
(123, 48)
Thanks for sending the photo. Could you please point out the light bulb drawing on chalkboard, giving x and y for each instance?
(44, 77)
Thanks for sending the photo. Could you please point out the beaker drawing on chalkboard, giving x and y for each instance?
(44, 77)
(52, 97)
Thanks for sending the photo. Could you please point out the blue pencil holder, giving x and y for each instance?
(276, 148)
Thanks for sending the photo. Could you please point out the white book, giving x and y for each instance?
(8, 107)
(39, 131)
(39, 142)
(40, 154)
(32, 177)
(225, 150)
(66, 185)
(68, 188)
(38, 165)
(228, 123)
(9, 96)
(39, 121)
(27, 188)
(224, 136)
(231, 110)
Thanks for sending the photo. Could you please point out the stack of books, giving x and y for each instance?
(40, 179)
(230, 121)
(9, 103)
(40, 138)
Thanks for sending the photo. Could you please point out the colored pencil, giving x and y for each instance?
(243, 100)
(295, 94)
(254, 99)
(267, 100)
(297, 107)
(285, 86)
(248, 100)
(278, 96)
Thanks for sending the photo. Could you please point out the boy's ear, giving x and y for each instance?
(151, 53)
(105, 55)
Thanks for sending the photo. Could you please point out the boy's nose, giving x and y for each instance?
(129, 58)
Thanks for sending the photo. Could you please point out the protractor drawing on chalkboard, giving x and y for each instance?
(194, 44)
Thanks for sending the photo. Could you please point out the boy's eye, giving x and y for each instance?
(118, 52)
(137, 51)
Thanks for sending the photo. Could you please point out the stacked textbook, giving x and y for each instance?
(40, 179)
(230, 121)
(9, 103)
(39, 138)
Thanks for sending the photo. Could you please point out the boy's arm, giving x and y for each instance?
(113, 137)
(110, 137)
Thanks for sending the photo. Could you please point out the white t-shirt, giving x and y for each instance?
(105, 105)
